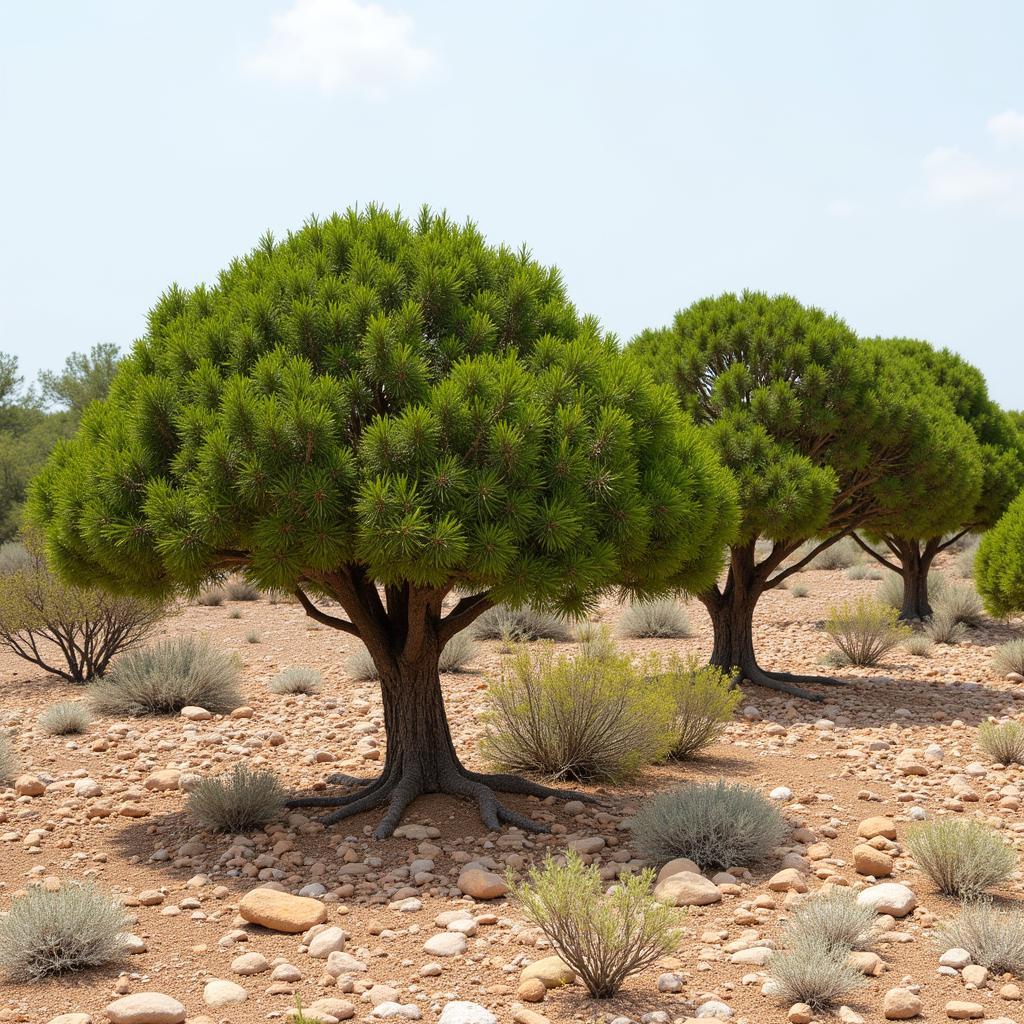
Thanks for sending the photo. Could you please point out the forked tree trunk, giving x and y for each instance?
(915, 564)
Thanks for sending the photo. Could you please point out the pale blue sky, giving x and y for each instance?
(867, 157)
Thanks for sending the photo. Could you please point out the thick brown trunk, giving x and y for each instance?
(915, 564)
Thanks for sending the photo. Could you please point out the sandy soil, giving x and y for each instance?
(133, 840)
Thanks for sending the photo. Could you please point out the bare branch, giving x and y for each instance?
(875, 555)
(328, 620)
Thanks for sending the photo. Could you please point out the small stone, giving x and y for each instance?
(869, 861)
(462, 1012)
(976, 975)
(446, 944)
(670, 983)
(787, 879)
(877, 826)
(146, 1008)
(195, 714)
(532, 990)
(960, 1010)
(281, 911)
(755, 956)
(868, 963)
(71, 1018)
(330, 940)
(781, 793)
(686, 889)
(553, 971)
(888, 898)
(252, 963)
(900, 1004)
(29, 785)
(800, 1013)
(1010, 992)
(674, 867)
(163, 781)
(218, 993)
(481, 885)
(956, 958)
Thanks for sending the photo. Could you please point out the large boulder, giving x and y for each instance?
(281, 911)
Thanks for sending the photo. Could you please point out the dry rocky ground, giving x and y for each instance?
(896, 743)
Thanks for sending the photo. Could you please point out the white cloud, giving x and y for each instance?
(1007, 127)
(953, 176)
(342, 45)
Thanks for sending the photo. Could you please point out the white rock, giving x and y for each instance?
(461, 1012)
(330, 940)
(956, 958)
(782, 793)
(446, 944)
(218, 993)
(888, 898)
(146, 1008)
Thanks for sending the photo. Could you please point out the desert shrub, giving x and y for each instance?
(163, 678)
(841, 555)
(865, 630)
(595, 641)
(858, 572)
(575, 718)
(14, 557)
(360, 666)
(72, 632)
(799, 590)
(961, 603)
(237, 801)
(604, 938)
(662, 617)
(211, 597)
(65, 718)
(457, 653)
(891, 590)
(70, 929)
(994, 937)
(295, 680)
(704, 700)
(962, 858)
(9, 762)
(920, 645)
(716, 825)
(944, 628)
(965, 559)
(808, 972)
(239, 589)
(503, 622)
(1002, 741)
(1009, 658)
(833, 919)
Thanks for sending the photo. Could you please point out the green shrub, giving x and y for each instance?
(960, 602)
(999, 562)
(71, 929)
(965, 559)
(1009, 658)
(704, 699)
(833, 919)
(920, 645)
(237, 802)
(253, 637)
(9, 761)
(944, 628)
(1002, 741)
(962, 858)
(212, 597)
(841, 555)
(72, 632)
(604, 938)
(865, 630)
(994, 938)
(811, 973)
(457, 653)
(65, 718)
(575, 718)
(295, 680)
(360, 666)
(661, 618)
(716, 825)
(239, 589)
(517, 625)
(165, 677)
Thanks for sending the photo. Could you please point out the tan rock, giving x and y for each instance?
(673, 867)
(888, 898)
(877, 826)
(281, 911)
(685, 889)
(869, 861)
(868, 963)
(481, 884)
(959, 1010)
(900, 1004)
(29, 785)
(146, 1008)
(71, 1018)
(164, 780)
(976, 975)
(553, 971)
(800, 1013)
(788, 879)
(532, 990)
(522, 1015)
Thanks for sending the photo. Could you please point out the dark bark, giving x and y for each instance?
(420, 755)
(913, 562)
(732, 619)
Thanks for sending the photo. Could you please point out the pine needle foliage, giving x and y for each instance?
(604, 937)
(999, 563)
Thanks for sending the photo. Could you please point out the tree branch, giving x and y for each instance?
(467, 611)
(874, 554)
(328, 620)
(798, 565)
(952, 540)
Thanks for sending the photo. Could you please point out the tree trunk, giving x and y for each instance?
(915, 564)
(421, 757)
(732, 618)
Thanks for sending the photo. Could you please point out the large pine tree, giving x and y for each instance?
(822, 433)
(403, 419)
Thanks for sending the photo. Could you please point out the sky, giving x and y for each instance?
(867, 158)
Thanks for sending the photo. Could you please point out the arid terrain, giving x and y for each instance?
(899, 740)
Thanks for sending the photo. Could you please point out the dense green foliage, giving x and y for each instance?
(999, 563)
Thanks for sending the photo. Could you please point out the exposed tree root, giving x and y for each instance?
(759, 677)
(399, 789)
(793, 677)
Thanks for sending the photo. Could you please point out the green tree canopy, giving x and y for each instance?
(85, 378)
(999, 563)
(387, 413)
(985, 475)
(821, 433)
